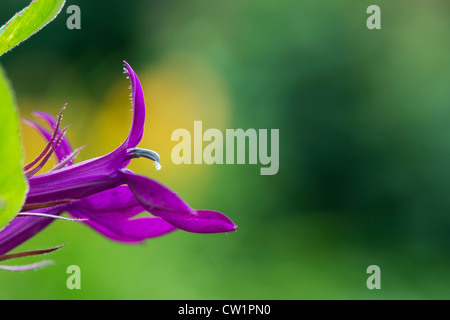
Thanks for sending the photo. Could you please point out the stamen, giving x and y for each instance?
(35, 206)
(144, 153)
(29, 253)
(55, 133)
(50, 216)
(68, 159)
(30, 173)
(28, 267)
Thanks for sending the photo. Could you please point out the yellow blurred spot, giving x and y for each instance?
(177, 91)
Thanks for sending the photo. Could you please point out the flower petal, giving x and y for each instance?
(77, 181)
(164, 203)
(108, 213)
(137, 95)
(95, 175)
(20, 229)
(117, 201)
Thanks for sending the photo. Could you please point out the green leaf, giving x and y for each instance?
(27, 22)
(13, 186)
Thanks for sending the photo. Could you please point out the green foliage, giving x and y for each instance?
(12, 182)
(13, 186)
(27, 22)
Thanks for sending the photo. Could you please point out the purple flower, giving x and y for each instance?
(102, 192)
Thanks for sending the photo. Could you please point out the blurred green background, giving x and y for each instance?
(364, 145)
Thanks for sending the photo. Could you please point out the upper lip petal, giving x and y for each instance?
(94, 175)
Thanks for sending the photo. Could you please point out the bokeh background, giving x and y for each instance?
(364, 145)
